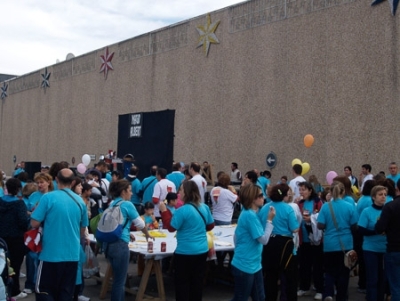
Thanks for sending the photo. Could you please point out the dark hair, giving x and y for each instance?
(153, 170)
(117, 187)
(368, 185)
(348, 167)
(252, 176)
(76, 182)
(248, 194)
(162, 172)
(86, 187)
(195, 166)
(346, 183)
(367, 167)
(55, 168)
(176, 166)
(118, 174)
(278, 192)
(101, 163)
(23, 176)
(309, 186)
(390, 185)
(134, 170)
(171, 196)
(149, 205)
(13, 186)
(191, 192)
(187, 173)
(297, 168)
(267, 173)
(235, 164)
(224, 180)
(284, 177)
(325, 193)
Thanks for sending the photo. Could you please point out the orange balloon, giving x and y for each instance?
(308, 140)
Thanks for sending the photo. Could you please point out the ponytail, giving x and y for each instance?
(337, 190)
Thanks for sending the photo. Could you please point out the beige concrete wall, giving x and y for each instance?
(283, 69)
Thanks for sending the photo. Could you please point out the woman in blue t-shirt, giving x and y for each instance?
(250, 236)
(277, 257)
(117, 252)
(338, 218)
(191, 221)
(374, 246)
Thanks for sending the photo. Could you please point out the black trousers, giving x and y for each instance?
(189, 276)
(16, 253)
(276, 261)
(56, 280)
(311, 262)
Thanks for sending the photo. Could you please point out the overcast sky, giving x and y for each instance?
(37, 33)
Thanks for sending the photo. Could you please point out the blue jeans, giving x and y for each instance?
(31, 261)
(392, 267)
(375, 276)
(248, 285)
(117, 254)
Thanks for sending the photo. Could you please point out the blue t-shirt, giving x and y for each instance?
(285, 221)
(368, 219)
(191, 231)
(176, 177)
(33, 200)
(171, 209)
(349, 199)
(248, 249)
(388, 199)
(136, 186)
(1, 192)
(346, 216)
(63, 219)
(363, 202)
(129, 213)
(55, 184)
(395, 178)
(263, 183)
(109, 176)
(150, 182)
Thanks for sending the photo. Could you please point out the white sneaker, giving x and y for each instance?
(318, 296)
(83, 298)
(302, 293)
(21, 295)
(329, 298)
(21, 275)
(27, 291)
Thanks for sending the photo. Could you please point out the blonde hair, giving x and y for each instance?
(28, 189)
(337, 190)
(47, 178)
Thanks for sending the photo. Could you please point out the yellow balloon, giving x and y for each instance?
(306, 168)
(296, 161)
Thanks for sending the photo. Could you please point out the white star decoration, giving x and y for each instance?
(45, 79)
(207, 34)
(106, 62)
(4, 91)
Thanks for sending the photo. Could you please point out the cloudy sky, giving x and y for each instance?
(37, 33)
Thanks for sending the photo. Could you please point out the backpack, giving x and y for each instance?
(109, 228)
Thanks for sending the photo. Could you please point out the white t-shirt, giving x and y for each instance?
(295, 187)
(202, 184)
(366, 178)
(223, 205)
(160, 191)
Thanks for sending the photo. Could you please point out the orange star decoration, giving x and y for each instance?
(207, 34)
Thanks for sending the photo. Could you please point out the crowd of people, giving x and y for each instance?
(291, 237)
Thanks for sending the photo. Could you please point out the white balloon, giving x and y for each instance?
(86, 159)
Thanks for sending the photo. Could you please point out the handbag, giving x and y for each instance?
(350, 257)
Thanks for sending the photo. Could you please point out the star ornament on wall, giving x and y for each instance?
(207, 34)
(106, 62)
(45, 80)
(393, 4)
(4, 91)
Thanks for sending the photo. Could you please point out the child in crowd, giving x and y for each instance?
(172, 200)
(148, 216)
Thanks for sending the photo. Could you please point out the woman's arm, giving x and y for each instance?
(267, 233)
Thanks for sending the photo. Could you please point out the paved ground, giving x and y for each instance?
(218, 288)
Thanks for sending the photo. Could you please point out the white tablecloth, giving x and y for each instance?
(223, 241)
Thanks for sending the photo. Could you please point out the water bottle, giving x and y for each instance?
(160, 225)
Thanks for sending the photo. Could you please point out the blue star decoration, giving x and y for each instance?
(45, 79)
(4, 91)
(393, 4)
